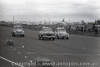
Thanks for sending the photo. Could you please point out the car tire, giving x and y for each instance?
(13, 34)
(39, 38)
(53, 38)
(67, 38)
(62, 37)
(57, 37)
(23, 35)
(50, 38)
(42, 38)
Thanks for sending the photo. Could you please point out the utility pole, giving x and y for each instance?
(13, 19)
(69, 21)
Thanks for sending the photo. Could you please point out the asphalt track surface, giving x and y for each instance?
(78, 51)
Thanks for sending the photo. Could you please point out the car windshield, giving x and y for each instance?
(45, 30)
(17, 27)
(61, 30)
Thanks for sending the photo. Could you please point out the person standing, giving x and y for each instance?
(96, 30)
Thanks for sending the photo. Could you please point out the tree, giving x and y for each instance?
(98, 22)
(83, 22)
(63, 20)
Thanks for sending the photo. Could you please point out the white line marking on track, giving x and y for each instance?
(11, 62)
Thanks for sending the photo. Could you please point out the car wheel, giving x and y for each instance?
(57, 37)
(42, 38)
(22, 35)
(62, 37)
(13, 35)
(39, 38)
(53, 38)
(67, 38)
(50, 38)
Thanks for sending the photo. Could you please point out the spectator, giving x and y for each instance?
(96, 30)
(81, 29)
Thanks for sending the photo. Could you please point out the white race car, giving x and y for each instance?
(17, 31)
(61, 33)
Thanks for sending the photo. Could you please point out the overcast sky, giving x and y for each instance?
(39, 10)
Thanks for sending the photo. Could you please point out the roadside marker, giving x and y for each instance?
(10, 42)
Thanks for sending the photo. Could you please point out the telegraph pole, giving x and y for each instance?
(13, 19)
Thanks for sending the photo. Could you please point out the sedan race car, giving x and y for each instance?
(61, 33)
(46, 33)
(17, 31)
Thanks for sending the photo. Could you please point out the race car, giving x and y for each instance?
(46, 33)
(17, 31)
(61, 33)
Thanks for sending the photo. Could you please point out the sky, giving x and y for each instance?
(49, 10)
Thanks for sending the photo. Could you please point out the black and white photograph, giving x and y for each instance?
(49, 33)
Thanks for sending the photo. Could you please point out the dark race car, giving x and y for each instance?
(46, 33)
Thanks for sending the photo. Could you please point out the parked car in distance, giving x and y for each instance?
(46, 33)
(61, 33)
(17, 31)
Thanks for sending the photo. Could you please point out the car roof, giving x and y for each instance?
(60, 28)
(46, 28)
(17, 26)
